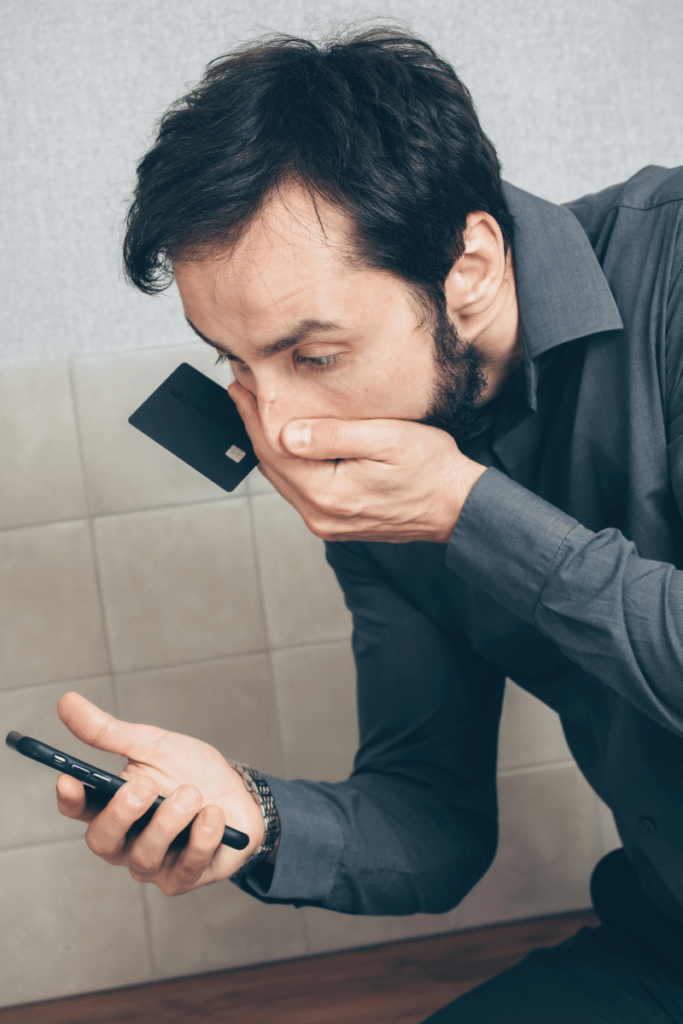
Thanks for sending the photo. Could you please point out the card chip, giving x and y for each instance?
(235, 453)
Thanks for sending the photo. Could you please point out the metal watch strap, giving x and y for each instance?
(259, 789)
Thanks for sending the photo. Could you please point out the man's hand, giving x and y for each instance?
(371, 479)
(195, 780)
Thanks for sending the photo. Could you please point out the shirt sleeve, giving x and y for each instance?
(415, 826)
(618, 616)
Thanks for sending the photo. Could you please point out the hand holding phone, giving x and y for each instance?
(201, 790)
(104, 782)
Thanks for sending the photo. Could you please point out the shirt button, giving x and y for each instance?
(647, 826)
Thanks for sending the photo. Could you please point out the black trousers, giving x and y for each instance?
(629, 970)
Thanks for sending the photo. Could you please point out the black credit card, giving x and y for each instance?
(196, 419)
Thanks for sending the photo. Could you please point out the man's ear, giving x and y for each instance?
(475, 279)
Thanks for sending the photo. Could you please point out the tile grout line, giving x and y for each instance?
(96, 561)
(91, 514)
(45, 522)
(527, 769)
(176, 664)
(271, 673)
(268, 649)
(39, 843)
(603, 838)
(259, 572)
(106, 630)
(146, 917)
(107, 353)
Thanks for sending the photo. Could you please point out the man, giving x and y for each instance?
(476, 398)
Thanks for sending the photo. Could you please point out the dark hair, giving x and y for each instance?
(375, 123)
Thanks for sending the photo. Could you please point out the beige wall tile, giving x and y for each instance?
(179, 584)
(303, 601)
(227, 703)
(258, 484)
(219, 926)
(75, 924)
(316, 696)
(50, 617)
(609, 837)
(40, 465)
(125, 470)
(328, 931)
(549, 844)
(28, 810)
(530, 731)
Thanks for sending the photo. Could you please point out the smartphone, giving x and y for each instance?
(105, 782)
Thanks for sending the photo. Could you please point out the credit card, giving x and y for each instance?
(197, 420)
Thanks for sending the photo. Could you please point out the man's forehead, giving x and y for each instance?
(289, 262)
(293, 225)
(261, 294)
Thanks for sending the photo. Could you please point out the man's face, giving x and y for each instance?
(312, 336)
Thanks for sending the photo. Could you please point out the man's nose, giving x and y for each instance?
(272, 407)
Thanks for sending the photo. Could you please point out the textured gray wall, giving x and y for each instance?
(576, 95)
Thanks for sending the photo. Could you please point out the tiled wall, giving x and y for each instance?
(127, 576)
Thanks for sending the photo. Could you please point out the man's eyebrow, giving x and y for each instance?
(301, 332)
(214, 344)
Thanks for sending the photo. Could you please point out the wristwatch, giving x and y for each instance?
(260, 790)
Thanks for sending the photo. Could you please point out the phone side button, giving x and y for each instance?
(100, 778)
(58, 759)
(80, 769)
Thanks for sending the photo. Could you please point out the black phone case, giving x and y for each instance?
(105, 782)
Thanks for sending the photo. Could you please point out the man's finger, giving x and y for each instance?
(75, 801)
(99, 729)
(147, 852)
(205, 840)
(246, 407)
(71, 799)
(377, 440)
(107, 834)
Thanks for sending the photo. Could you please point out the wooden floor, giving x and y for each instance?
(398, 983)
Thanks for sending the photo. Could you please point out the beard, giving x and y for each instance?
(460, 380)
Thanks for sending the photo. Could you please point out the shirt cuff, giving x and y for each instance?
(309, 851)
(506, 541)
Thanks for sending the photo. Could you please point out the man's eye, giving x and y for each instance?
(318, 362)
(223, 357)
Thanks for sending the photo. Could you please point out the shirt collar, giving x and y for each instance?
(561, 289)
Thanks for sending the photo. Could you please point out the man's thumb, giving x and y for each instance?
(98, 728)
(328, 439)
(297, 436)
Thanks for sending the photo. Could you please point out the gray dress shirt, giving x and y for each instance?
(564, 573)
